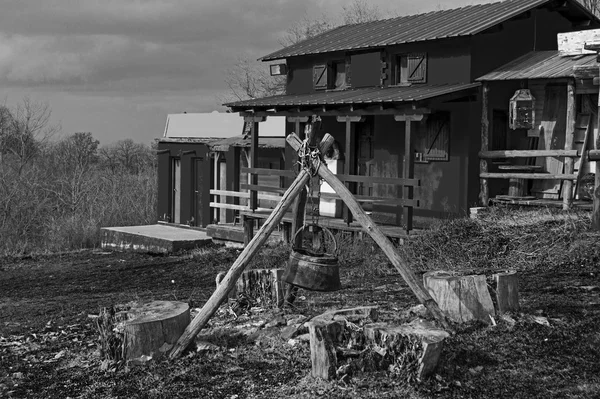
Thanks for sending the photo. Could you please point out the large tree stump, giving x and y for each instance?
(461, 298)
(153, 328)
(341, 342)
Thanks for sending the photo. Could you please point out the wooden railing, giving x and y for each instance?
(528, 154)
(271, 193)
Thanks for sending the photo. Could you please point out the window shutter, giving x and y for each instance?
(320, 76)
(417, 68)
(437, 137)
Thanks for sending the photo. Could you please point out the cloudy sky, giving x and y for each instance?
(116, 68)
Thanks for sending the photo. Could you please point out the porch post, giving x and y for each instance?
(216, 181)
(569, 138)
(253, 202)
(300, 201)
(350, 157)
(484, 194)
(408, 171)
(596, 213)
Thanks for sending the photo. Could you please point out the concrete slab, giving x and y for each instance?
(153, 238)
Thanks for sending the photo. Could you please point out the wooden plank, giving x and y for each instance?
(379, 237)
(484, 193)
(256, 188)
(593, 155)
(531, 176)
(234, 207)
(270, 172)
(380, 180)
(230, 193)
(596, 211)
(409, 117)
(236, 270)
(569, 139)
(349, 164)
(528, 154)
(299, 204)
(350, 118)
(586, 72)
(373, 200)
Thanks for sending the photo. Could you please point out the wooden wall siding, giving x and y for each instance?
(366, 69)
(492, 50)
(268, 159)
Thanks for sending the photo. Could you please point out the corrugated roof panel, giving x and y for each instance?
(462, 21)
(539, 65)
(372, 95)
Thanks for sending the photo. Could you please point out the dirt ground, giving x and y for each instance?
(49, 341)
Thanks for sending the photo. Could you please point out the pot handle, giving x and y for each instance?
(323, 228)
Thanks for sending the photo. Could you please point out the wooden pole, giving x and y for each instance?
(349, 162)
(300, 203)
(596, 212)
(569, 138)
(484, 193)
(409, 163)
(254, 164)
(375, 232)
(236, 270)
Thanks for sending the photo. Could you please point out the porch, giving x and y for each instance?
(386, 141)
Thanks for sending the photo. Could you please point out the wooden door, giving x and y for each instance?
(176, 184)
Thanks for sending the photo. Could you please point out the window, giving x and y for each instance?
(433, 139)
(334, 75)
(411, 68)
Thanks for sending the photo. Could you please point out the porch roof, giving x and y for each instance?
(244, 142)
(540, 65)
(362, 96)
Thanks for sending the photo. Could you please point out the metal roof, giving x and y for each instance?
(463, 21)
(244, 142)
(371, 95)
(540, 65)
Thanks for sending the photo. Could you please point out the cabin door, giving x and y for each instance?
(176, 184)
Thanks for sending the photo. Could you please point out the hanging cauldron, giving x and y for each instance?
(312, 270)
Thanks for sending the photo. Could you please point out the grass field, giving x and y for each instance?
(49, 341)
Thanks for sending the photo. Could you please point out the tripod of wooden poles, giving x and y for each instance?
(296, 188)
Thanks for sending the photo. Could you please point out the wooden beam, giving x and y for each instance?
(409, 166)
(530, 176)
(350, 118)
(254, 163)
(270, 172)
(349, 163)
(569, 140)
(409, 117)
(342, 111)
(596, 195)
(379, 237)
(236, 270)
(297, 119)
(593, 155)
(528, 154)
(484, 193)
(300, 202)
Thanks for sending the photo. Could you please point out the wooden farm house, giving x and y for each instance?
(420, 108)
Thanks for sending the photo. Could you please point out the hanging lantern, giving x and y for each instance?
(522, 110)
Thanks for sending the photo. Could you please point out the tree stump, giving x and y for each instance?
(347, 340)
(153, 328)
(461, 297)
(264, 285)
(507, 291)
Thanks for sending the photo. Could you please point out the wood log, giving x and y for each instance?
(507, 291)
(377, 235)
(323, 348)
(263, 285)
(461, 297)
(153, 328)
(220, 294)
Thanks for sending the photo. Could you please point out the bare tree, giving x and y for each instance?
(249, 79)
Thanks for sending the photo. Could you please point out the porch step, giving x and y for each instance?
(155, 238)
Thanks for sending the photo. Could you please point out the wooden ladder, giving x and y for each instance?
(583, 127)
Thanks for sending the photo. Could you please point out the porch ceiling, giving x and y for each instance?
(389, 96)
(540, 65)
